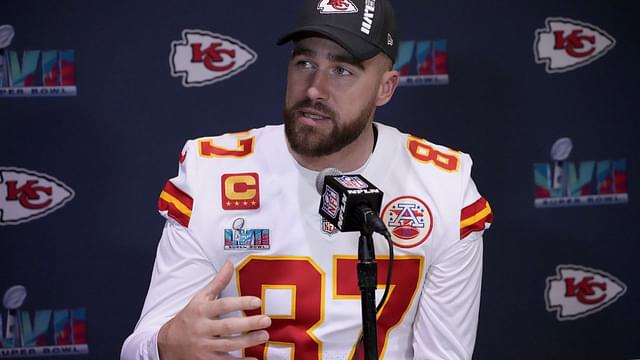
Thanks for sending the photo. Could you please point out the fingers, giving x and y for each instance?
(232, 326)
(233, 343)
(219, 282)
(223, 306)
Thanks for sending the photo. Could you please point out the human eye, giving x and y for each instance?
(303, 63)
(342, 71)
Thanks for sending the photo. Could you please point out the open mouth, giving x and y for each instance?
(312, 117)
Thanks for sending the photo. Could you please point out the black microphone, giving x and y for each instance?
(349, 202)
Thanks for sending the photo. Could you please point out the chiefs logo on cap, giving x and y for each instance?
(337, 7)
(240, 191)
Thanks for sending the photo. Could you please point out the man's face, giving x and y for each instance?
(330, 97)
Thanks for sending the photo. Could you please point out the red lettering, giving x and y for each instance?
(426, 153)
(584, 290)
(27, 193)
(212, 55)
(209, 149)
(574, 41)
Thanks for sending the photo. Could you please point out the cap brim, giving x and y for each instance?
(355, 45)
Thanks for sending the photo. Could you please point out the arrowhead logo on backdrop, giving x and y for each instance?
(26, 195)
(567, 44)
(202, 58)
(579, 291)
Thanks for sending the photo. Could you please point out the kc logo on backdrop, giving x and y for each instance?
(26, 195)
(567, 44)
(578, 291)
(202, 57)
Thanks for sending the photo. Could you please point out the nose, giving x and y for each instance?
(318, 86)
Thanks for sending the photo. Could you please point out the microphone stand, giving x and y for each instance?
(367, 282)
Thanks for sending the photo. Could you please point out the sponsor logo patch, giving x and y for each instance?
(42, 333)
(567, 44)
(239, 238)
(409, 220)
(32, 72)
(240, 191)
(202, 57)
(423, 62)
(26, 195)
(578, 291)
(328, 228)
(330, 201)
(565, 183)
(337, 7)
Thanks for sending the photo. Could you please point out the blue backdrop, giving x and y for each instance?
(92, 121)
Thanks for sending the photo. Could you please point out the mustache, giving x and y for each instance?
(308, 103)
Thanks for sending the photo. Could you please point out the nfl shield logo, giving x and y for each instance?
(330, 202)
(352, 182)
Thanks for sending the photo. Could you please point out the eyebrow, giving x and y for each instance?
(339, 58)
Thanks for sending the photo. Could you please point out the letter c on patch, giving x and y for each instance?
(240, 191)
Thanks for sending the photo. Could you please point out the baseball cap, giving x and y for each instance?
(363, 27)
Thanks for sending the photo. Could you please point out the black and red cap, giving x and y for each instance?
(362, 27)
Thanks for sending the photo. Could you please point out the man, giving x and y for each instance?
(246, 266)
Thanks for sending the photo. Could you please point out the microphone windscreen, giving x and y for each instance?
(322, 174)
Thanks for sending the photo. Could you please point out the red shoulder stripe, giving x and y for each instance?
(475, 217)
(176, 203)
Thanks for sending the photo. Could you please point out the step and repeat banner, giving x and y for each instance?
(97, 99)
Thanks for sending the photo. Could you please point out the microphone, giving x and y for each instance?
(349, 202)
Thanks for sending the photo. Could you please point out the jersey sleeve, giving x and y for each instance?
(476, 214)
(175, 202)
(181, 266)
(447, 317)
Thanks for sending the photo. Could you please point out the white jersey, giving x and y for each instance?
(242, 197)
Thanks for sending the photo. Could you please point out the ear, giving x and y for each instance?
(388, 85)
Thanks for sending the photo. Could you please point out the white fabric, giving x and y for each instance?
(440, 319)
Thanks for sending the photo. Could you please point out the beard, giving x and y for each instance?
(316, 142)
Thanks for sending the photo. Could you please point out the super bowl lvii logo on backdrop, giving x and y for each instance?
(578, 291)
(35, 72)
(202, 57)
(565, 183)
(26, 195)
(567, 44)
(423, 62)
(41, 333)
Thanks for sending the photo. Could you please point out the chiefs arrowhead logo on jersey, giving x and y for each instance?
(567, 44)
(26, 195)
(203, 58)
(409, 220)
(577, 291)
(337, 7)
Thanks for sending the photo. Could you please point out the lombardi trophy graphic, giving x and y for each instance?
(13, 299)
(6, 35)
(559, 153)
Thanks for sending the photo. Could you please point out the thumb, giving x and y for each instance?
(219, 282)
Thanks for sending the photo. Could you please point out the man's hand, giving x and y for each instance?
(197, 332)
